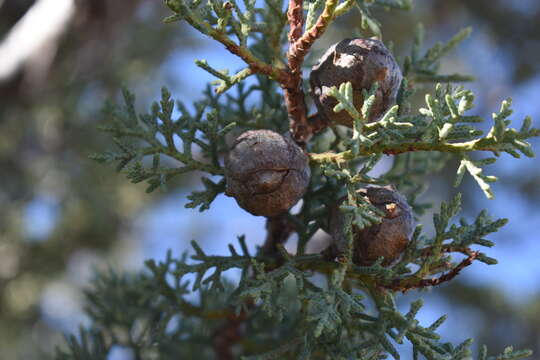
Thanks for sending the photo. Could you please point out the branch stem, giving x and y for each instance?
(483, 144)
(299, 46)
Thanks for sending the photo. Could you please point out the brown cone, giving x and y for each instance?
(388, 239)
(362, 62)
(267, 173)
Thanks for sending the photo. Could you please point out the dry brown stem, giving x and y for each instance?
(407, 284)
(299, 45)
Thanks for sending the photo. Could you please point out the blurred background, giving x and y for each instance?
(62, 215)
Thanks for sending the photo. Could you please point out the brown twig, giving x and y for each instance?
(295, 17)
(299, 49)
(299, 44)
(409, 283)
(256, 65)
(292, 87)
(452, 273)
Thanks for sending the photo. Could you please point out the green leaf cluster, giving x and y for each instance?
(155, 314)
(441, 126)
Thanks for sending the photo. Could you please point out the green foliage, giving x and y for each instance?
(161, 145)
(508, 354)
(155, 136)
(89, 345)
(424, 68)
(441, 126)
(298, 305)
(137, 311)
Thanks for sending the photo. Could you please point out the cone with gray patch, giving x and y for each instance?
(267, 173)
(362, 62)
(388, 239)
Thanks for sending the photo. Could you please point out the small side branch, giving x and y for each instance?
(255, 64)
(483, 144)
(413, 282)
